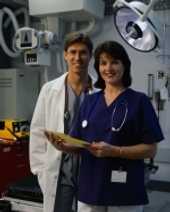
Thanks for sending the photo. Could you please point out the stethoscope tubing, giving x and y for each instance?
(84, 123)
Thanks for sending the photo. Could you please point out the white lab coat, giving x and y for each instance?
(44, 158)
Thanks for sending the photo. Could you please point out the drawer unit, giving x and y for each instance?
(14, 160)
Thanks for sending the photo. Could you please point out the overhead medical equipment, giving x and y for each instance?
(36, 45)
(77, 10)
(134, 22)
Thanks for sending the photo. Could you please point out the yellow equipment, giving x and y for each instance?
(14, 129)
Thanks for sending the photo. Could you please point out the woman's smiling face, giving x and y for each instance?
(111, 69)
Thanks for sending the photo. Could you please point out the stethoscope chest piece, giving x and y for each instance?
(67, 115)
(115, 129)
(84, 123)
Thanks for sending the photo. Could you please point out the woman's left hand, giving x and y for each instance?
(103, 149)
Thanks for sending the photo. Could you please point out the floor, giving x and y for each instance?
(159, 196)
(159, 202)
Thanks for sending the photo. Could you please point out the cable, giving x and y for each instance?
(17, 13)
(88, 30)
(15, 25)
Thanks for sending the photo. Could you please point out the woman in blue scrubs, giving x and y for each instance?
(122, 127)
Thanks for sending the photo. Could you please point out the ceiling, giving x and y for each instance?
(160, 5)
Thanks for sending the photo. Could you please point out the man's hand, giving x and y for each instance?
(60, 143)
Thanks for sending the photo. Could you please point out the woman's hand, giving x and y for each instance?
(103, 149)
(139, 151)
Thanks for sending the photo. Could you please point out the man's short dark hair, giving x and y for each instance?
(73, 38)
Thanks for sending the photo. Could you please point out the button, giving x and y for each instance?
(84, 123)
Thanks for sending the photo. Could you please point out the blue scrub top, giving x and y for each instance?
(135, 110)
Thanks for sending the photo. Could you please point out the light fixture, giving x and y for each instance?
(134, 22)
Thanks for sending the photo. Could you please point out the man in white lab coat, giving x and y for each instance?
(56, 110)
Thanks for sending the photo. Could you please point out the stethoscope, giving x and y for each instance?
(85, 123)
(117, 129)
(67, 114)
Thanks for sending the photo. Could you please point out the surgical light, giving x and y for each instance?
(135, 25)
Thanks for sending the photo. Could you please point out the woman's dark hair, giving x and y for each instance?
(74, 37)
(118, 52)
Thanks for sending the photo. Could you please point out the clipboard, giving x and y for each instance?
(69, 139)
